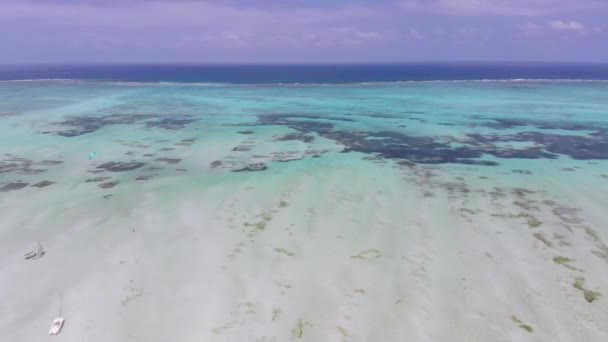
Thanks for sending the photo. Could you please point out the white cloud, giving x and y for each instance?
(502, 7)
(568, 25)
(560, 27)
(227, 39)
(413, 34)
(200, 23)
(345, 36)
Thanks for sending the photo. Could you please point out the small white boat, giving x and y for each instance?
(38, 253)
(56, 326)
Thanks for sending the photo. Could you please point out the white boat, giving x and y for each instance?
(39, 252)
(56, 326)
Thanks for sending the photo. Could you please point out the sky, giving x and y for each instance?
(304, 31)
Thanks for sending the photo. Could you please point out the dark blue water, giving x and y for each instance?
(345, 73)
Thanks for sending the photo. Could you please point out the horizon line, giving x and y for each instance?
(296, 63)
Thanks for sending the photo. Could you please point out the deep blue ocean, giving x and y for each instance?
(320, 73)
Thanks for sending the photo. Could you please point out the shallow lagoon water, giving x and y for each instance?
(385, 212)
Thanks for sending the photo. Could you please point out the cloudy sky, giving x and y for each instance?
(165, 31)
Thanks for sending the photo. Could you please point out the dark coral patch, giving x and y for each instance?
(13, 186)
(170, 123)
(28, 171)
(79, 125)
(97, 179)
(296, 136)
(43, 184)
(120, 167)
(15, 164)
(593, 146)
(502, 123)
(436, 150)
(50, 162)
(108, 185)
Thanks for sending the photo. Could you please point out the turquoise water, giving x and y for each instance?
(436, 171)
(445, 111)
(459, 124)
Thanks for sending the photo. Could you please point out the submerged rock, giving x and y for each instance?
(245, 132)
(79, 125)
(186, 142)
(13, 186)
(50, 162)
(170, 123)
(31, 171)
(241, 149)
(215, 164)
(120, 167)
(42, 184)
(168, 160)
(256, 167)
(296, 136)
(97, 179)
(108, 185)
(250, 167)
(8, 167)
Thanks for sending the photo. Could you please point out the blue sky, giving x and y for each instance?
(155, 31)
